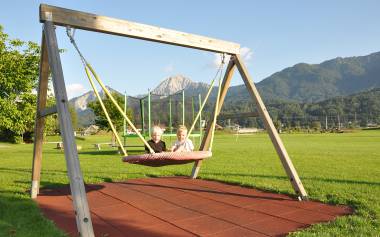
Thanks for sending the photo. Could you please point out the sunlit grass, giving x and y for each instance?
(334, 168)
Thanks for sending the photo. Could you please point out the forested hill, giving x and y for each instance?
(353, 110)
(316, 82)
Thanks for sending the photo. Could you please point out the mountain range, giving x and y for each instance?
(302, 83)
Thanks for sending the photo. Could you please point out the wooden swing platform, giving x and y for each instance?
(179, 206)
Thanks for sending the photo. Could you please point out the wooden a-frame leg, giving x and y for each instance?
(276, 140)
(78, 192)
(207, 136)
(40, 121)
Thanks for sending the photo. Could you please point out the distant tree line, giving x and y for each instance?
(358, 110)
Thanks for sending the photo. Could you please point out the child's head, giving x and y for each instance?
(181, 133)
(156, 134)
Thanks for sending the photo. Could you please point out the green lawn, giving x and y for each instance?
(335, 168)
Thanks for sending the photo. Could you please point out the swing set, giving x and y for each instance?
(50, 61)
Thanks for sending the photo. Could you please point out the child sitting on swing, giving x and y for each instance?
(155, 143)
(182, 144)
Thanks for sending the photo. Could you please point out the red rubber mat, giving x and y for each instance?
(179, 206)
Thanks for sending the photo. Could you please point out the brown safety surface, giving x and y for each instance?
(179, 206)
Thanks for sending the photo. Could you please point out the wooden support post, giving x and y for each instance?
(276, 140)
(40, 120)
(48, 111)
(207, 136)
(78, 192)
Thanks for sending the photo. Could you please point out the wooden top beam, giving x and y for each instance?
(91, 22)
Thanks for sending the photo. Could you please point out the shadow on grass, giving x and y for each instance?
(327, 180)
(20, 215)
(23, 170)
(111, 152)
(98, 153)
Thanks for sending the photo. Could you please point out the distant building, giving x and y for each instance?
(92, 129)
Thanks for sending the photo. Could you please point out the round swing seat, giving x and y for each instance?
(167, 158)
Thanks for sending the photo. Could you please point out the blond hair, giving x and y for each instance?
(156, 129)
(181, 128)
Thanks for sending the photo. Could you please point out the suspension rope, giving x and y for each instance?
(201, 108)
(217, 104)
(88, 67)
(218, 73)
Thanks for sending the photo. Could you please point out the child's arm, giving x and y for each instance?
(191, 145)
(174, 148)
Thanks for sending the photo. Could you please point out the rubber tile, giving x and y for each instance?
(178, 214)
(185, 207)
(318, 207)
(307, 217)
(274, 226)
(269, 208)
(204, 225)
(116, 210)
(64, 220)
(238, 232)
(240, 216)
(58, 203)
(97, 199)
(165, 230)
(103, 228)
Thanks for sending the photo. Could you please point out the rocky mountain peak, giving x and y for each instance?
(174, 84)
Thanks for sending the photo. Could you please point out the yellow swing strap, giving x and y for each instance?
(216, 112)
(88, 67)
(120, 109)
(105, 110)
(201, 108)
(219, 72)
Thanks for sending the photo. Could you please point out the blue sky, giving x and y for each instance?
(273, 34)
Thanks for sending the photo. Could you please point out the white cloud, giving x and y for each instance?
(245, 52)
(169, 68)
(75, 89)
(218, 60)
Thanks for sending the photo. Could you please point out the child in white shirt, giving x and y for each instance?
(182, 144)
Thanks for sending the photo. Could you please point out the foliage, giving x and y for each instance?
(19, 62)
(113, 112)
(350, 111)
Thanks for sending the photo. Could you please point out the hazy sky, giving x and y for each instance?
(273, 35)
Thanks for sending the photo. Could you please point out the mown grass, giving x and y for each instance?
(335, 168)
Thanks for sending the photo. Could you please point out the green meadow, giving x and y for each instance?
(334, 168)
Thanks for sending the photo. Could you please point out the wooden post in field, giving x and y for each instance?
(276, 140)
(208, 133)
(40, 120)
(78, 192)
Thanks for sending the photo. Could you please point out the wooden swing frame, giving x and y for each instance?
(50, 61)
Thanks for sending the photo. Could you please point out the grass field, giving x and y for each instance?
(335, 168)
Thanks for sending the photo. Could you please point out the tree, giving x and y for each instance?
(19, 63)
(113, 112)
(316, 125)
